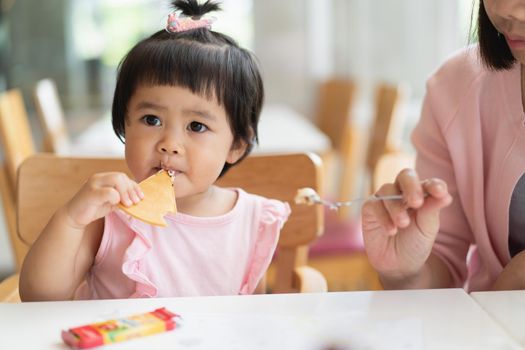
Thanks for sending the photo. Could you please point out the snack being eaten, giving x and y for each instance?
(307, 196)
(159, 200)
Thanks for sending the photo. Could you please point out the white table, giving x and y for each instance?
(507, 308)
(421, 319)
(281, 129)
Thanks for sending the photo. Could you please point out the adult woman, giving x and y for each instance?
(470, 145)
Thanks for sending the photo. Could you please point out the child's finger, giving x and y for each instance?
(135, 192)
(124, 186)
(108, 195)
(139, 191)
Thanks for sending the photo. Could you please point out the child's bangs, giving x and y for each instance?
(197, 67)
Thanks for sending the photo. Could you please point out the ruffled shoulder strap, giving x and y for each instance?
(138, 249)
(272, 217)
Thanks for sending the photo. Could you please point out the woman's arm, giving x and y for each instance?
(513, 276)
(433, 274)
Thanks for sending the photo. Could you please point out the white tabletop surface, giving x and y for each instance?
(281, 129)
(507, 308)
(421, 319)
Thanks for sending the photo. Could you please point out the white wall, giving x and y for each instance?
(281, 45)
(300, 42)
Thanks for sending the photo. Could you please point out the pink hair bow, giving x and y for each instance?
(180, 24)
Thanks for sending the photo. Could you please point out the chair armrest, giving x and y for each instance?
(9, 290)
(309, 280)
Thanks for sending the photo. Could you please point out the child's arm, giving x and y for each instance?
(65, 250)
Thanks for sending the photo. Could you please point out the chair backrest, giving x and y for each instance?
(385, 134)
(335, 100)
(51, 116)
(389, 165)
(47, 181)
(17, 144)
(15, 132)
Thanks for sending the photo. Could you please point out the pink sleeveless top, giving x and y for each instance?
(192, 256)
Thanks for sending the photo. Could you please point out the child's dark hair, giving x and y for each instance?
(208, 63)
(494, 50)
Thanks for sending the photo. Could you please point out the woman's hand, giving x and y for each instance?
(513, 275)
(399, 235)
(98, 197)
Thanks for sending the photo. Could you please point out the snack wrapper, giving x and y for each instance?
(117, 330)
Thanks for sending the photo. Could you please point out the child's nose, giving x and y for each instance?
(170, 146)
(166, 150)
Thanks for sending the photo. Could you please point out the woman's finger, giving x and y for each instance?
(435, 187)
(396, 209)
(375, 215)
(409, 185)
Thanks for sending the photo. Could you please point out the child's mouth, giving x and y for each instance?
(171, 172)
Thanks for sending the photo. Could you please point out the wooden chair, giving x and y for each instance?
(47, 181)
(51, 116)
(9, 289)
(386, 130)
(389, 165)
(334, 118)
(335, 101)
(17, 144)
(339, 254)
(279, 176)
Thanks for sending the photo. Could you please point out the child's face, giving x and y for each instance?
(172, 127)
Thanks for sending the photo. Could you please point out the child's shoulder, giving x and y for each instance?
(268, 208)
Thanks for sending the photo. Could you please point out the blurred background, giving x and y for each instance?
(302, 45)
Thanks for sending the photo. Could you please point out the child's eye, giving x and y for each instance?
(151, 120)
(197, 127)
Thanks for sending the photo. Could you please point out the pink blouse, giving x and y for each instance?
(472, 135)
(192, 256)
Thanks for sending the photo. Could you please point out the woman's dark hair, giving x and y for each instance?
(208, 63)
(494, 50)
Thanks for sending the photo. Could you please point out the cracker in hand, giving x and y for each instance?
(159, 199)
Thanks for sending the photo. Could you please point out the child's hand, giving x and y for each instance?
(99, 195)
(399, 235)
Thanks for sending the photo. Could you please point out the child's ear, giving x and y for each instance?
(236, 152)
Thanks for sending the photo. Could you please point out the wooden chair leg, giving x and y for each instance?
(288, 260)
(9, 290)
